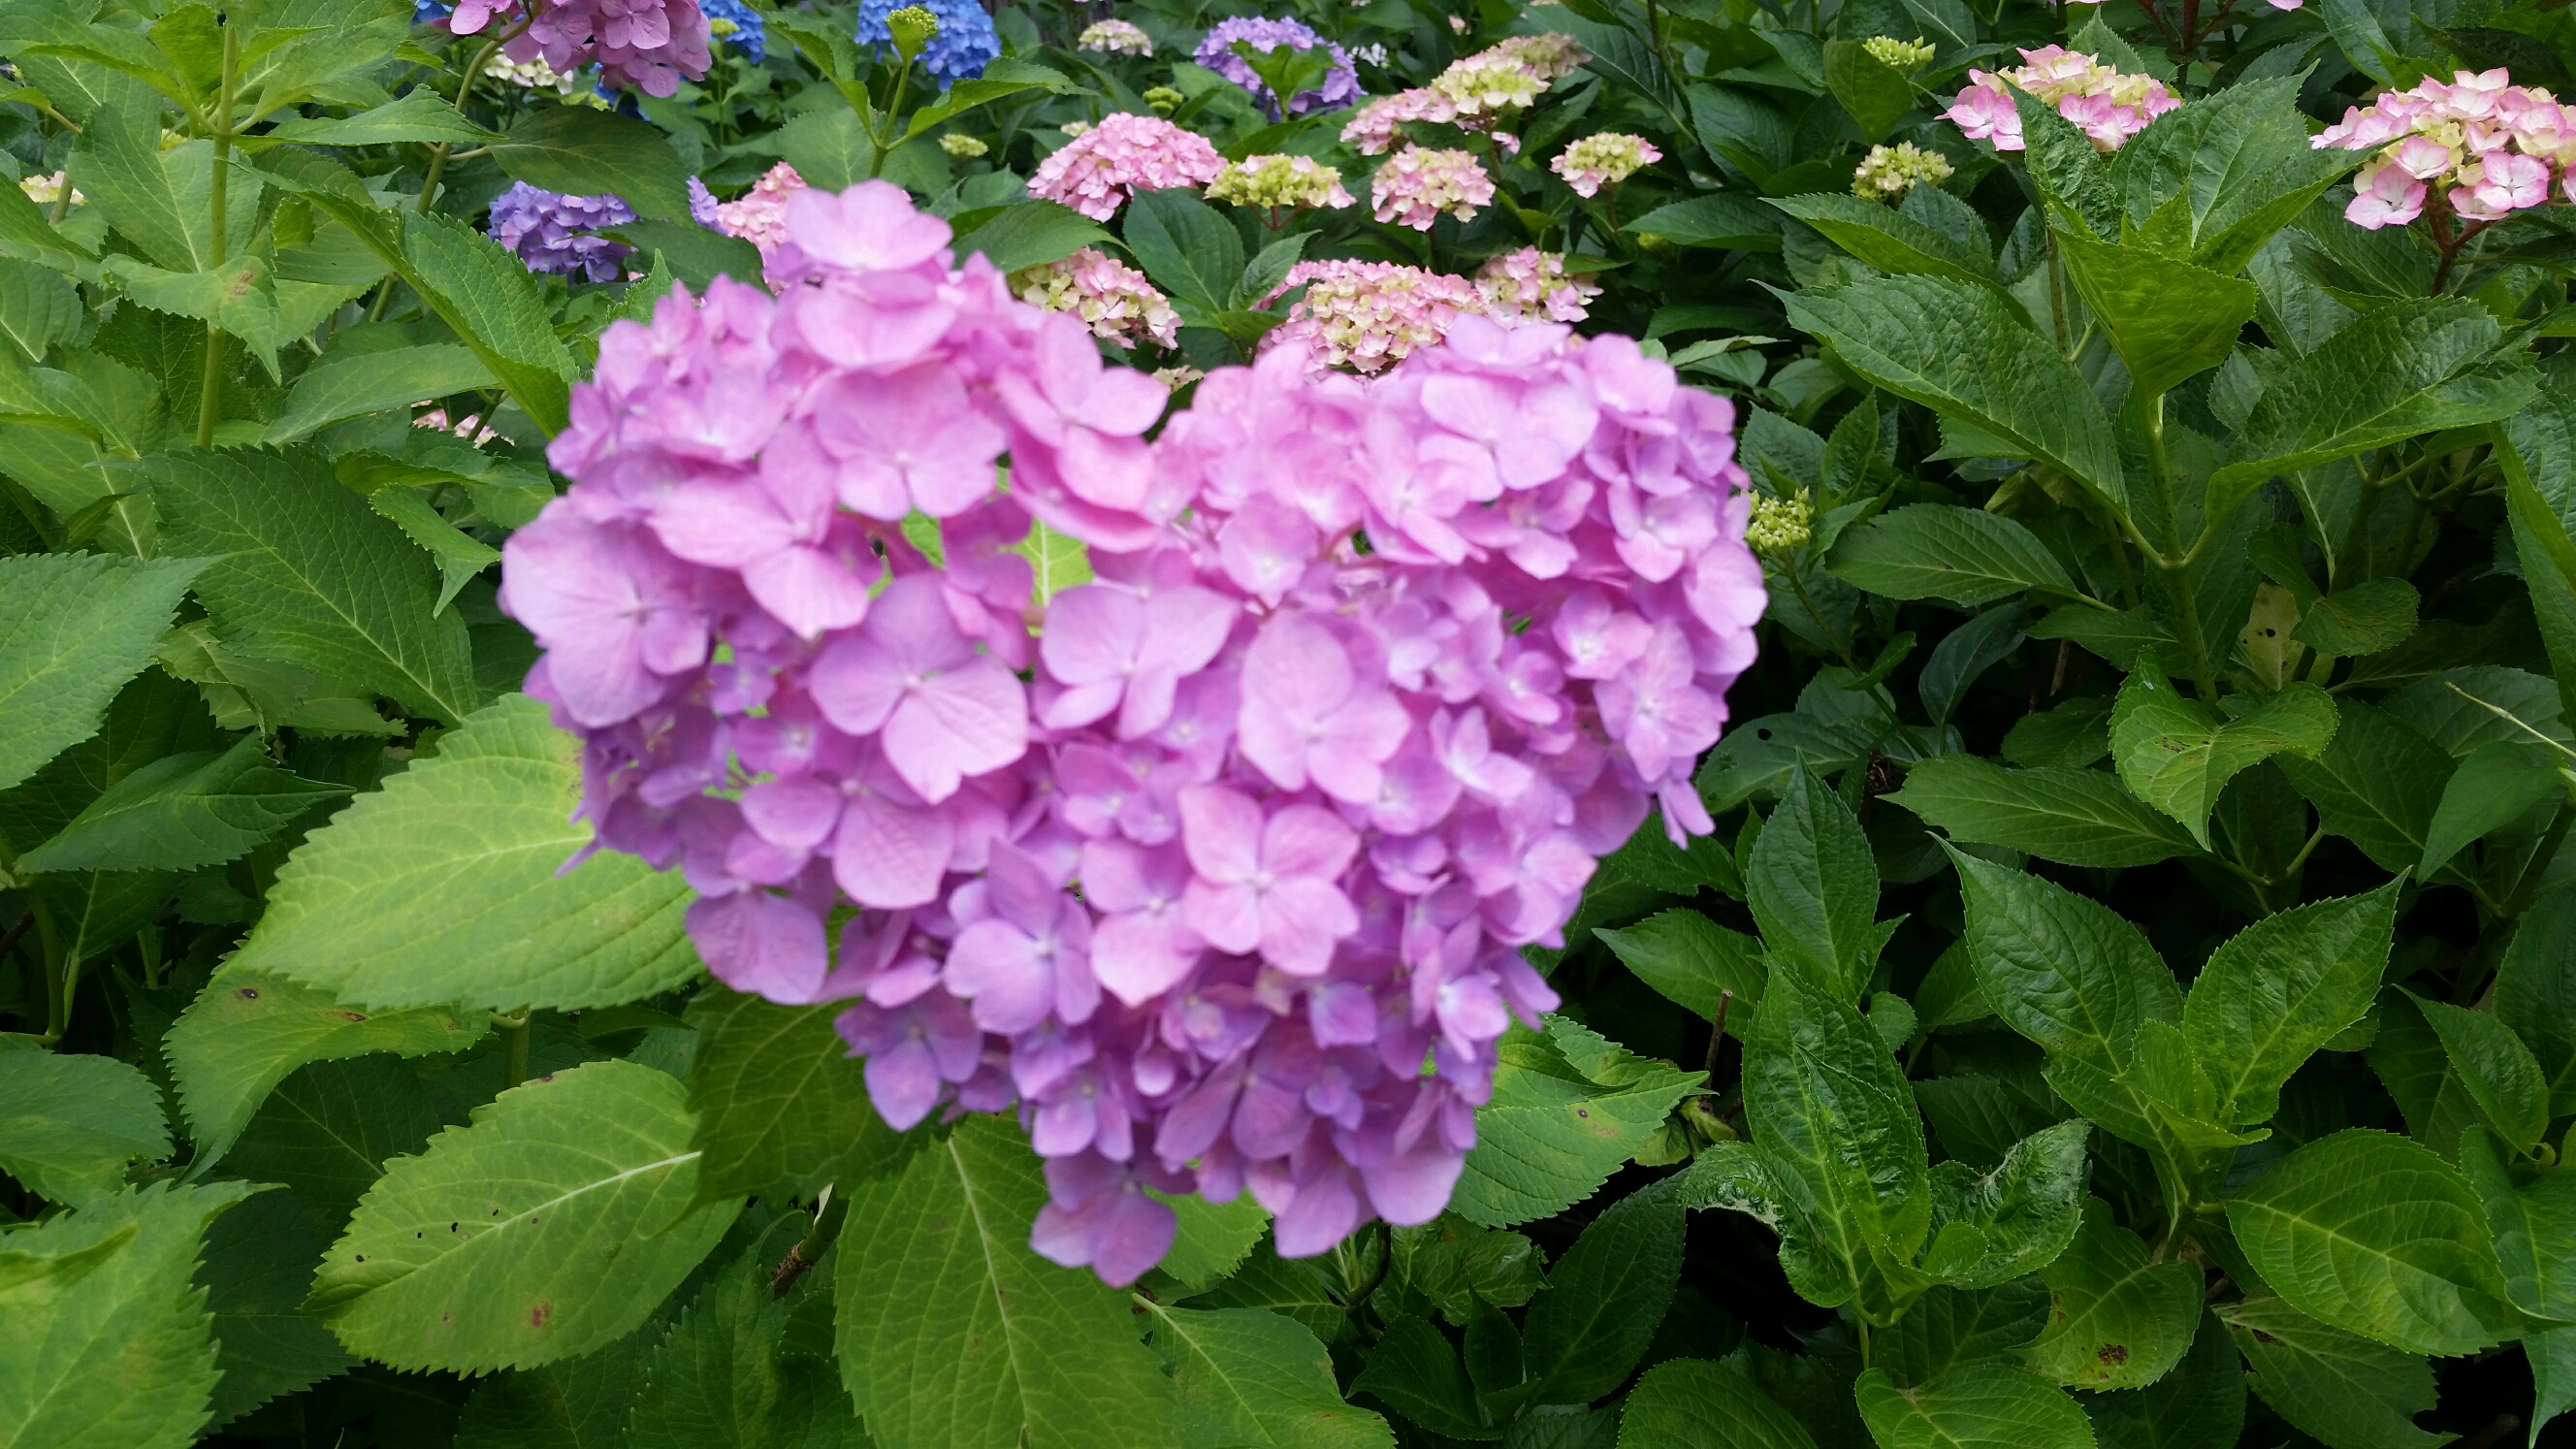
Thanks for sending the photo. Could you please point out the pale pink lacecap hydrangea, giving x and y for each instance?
(2108, 106)
(1115, 37)
(1604, 158)
(1368, 316)
(1416, 184)
(1476, 93)
(1112, 298)
(1097, 171)
(1530, 285)
(759, 216)
(1229, 893)
(2481, 146)
(647, 44)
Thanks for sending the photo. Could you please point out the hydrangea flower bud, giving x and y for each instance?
(1908, 56)
(1888, 172)
(963, 146)
(961, 43)
(911, 29)
(1780, 526)
(1163, 100)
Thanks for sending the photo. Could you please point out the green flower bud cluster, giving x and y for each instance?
(1908, 56)
(1780, 526)
(1888, 172)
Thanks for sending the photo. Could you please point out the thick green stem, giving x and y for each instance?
(881, 135)
(2176, 571)
(809, 1250)
(514, 1044)
(211, 381)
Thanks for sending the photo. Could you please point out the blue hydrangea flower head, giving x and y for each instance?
(552, 232)
(965, 44)
(427, 12)
(750, 34)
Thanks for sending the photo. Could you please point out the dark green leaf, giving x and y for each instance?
(1938, 551)
(1813, 889)
(2118, 1318)
(2177, 753)
(553, 1225)
(1695, 1404)
(184, 811)
(1836, 1127)
(1604, 1299)
(2500, 1073)
(2081, 817)
(584, 152)
(1031, 234)
(1991, 1228)
(2278, 990)
(77, 627)
(782, 1107)
(1692, 960)
(953, 1332)
(2376, 784)
(2374, 1234)
(2535, 993)
(1414, 1371)
(1551, 1135)
(2349, 1392)
(419, 115)
(346, 387)
(2534, 1224)
(696, 254)
(1963, 351)
(1974, 1406)
(1189, 250)
(1732, 223)
(1887, 239)
(70, 1124)
(2410, 368)
(330, 1128)
(258, 1266)
(302, 571)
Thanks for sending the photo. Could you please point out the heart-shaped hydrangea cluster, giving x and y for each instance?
(1217, 867)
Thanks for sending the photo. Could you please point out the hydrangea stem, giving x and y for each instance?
(211, 380)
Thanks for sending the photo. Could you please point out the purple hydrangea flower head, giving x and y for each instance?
(646, 44)
(1217, 869)
(552, 232)
(1341, 83)
(965, 44)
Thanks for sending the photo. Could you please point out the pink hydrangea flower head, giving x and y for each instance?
(1534, 286)
(1097, 171)
(2477, 146)
(1377, 125)
(1112, 298)
(647, 44)
(1416, 185)
(1368, 315)
(1604, 158)
(759, 216)
(1215, 870)
(2109, 106)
